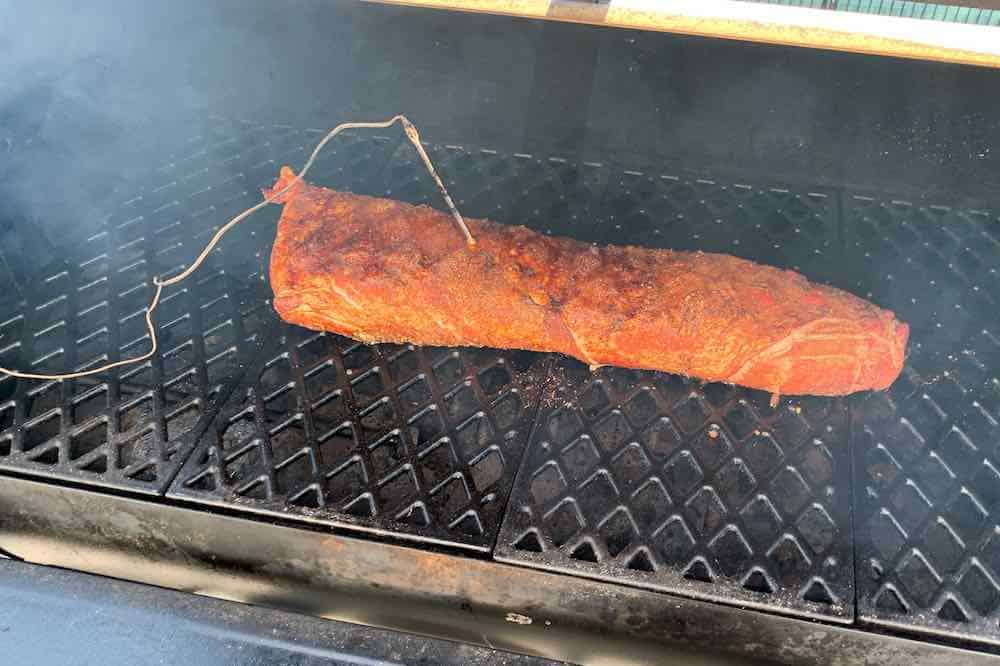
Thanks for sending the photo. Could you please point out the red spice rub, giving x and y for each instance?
(379, 270)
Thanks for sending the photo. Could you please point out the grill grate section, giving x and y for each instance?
(698, 489)
(646, 478)
(132, 427)
(927, 488)
(394, 439)
(704, 490)
(772, 225)
(415, 443)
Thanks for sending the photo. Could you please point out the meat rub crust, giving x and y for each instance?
(379, 270)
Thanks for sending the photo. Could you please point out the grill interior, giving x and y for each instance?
(878, 509)
(878, 176)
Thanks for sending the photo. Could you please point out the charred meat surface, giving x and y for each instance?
(379, 270)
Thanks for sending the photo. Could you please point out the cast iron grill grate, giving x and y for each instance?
(700, 489)
(927, 489)
(635, 477)
(418, 442)
(413, 443)
(133, 426)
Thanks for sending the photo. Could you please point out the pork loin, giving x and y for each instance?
(379, 270)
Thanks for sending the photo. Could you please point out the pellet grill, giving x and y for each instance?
(514, 501)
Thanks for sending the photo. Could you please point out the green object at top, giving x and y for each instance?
(919, 10)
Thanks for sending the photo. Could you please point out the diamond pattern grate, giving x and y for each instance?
(414, 443)
(641, 477)
(699, 489)
(133, 426)
(927, 488)
(394, 439)
(776, 226)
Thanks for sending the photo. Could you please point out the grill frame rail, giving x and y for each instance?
(432, 593)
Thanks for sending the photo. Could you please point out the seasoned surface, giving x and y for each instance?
(383, 271)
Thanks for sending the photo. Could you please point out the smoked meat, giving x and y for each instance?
(379, 270)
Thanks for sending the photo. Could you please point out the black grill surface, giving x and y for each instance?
(926, 457)
(403, 441)
(83, 305)
(677, 485)
(698, 489)
(412, 443)
(637, 477)
(132, 427)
